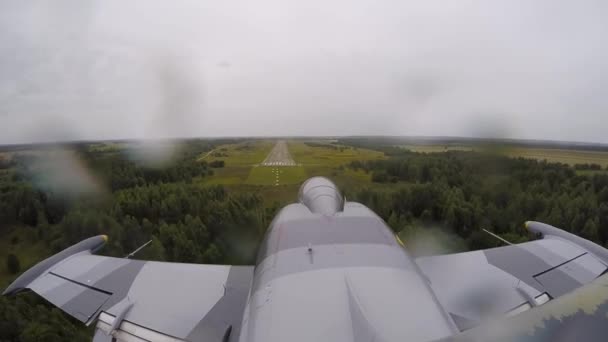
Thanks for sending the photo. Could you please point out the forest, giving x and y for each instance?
(134, 202)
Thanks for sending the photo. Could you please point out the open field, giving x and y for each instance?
(554, 155)
(108, 147)
(246, 153)
(239, 159)
(320, 153)
(437, 148)
(320, 158)
(570, 157)
(245, 168)
(263, 175)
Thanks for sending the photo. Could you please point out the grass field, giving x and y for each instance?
(242, 162)
(327, 155)
(239, 160)
(565, 156)
(243, 172)
(323, 159)
(108, 147)
(246, 154)
(570, 157)
(266, 175)
(436, 148)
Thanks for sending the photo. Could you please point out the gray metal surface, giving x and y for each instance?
(321, 196)
(225, 316)
(62, 294)
(337, 274)
(546, 230)
(184, 301)
(580, 315)
(476, 285)
(88, 245)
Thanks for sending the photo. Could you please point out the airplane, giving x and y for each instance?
(331, 270)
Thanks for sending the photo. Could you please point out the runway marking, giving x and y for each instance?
(276, 174)
(278, 157)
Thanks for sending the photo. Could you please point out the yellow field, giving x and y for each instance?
(436, 148)
(565, 156)
(570, 157)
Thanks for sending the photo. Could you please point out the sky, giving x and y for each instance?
(144, 69)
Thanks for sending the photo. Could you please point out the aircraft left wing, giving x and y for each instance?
(141, 300)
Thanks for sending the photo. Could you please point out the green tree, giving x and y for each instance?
(212, 255)
(154, 251)
(590, 231)
(12, 263)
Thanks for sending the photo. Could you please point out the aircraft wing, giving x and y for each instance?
(476, 286)
(581, 315)
(141, 300)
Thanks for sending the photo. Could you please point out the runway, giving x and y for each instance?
(279, 156)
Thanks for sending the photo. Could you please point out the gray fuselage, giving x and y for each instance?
(331, 270)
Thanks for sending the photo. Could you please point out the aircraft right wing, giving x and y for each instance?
(475, 286)
(581, 315)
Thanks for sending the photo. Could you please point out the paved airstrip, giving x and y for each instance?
(279, 156)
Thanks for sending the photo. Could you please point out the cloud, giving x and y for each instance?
(153, 69)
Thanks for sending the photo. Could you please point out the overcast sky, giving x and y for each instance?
(72, 69)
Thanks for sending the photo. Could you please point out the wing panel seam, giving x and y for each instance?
(81, 284)
(558, 266)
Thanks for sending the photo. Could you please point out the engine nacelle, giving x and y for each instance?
(321, 196)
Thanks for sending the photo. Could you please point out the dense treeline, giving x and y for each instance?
(28, 196)
(29, 319)
(126, 171)
(467, 191)
(217, 164)
(20, 203)
(587, 166)
(183, 220)
(128, 198)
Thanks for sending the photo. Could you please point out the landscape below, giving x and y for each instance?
(210, 201)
